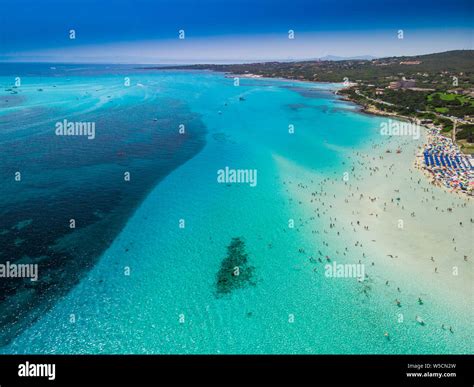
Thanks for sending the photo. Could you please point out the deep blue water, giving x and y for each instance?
(64, 178)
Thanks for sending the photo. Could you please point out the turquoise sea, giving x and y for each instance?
(128, 278)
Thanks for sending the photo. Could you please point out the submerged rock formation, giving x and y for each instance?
(235, 272)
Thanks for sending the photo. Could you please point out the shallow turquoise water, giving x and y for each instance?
(167, 303)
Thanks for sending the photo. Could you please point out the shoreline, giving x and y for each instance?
(372, 110)
(254, 76)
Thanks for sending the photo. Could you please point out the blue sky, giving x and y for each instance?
(146, 31)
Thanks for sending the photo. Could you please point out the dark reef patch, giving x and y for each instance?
(235, 271)
(7, 101)
(65, 178)
(309, 92)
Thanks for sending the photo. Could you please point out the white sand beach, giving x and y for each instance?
(414, 238)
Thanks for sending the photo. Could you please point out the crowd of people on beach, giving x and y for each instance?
(447, 165)
(337, 233)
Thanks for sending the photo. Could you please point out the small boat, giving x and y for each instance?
(241, 99)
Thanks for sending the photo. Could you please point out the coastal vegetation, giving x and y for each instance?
(465, 138)
(434, 70)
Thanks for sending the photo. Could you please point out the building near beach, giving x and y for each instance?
(402, 84)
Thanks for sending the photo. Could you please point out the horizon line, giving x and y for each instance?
(227, 62)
